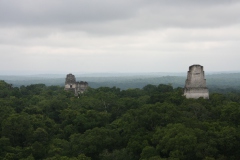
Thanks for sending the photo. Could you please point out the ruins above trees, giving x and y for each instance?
(72, 85)
(195, 85)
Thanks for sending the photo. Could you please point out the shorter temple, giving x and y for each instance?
(195, 86)
(72, 85)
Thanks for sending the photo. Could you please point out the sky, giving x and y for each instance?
(94, 36)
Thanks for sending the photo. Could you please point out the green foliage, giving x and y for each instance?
(148, 152)
(93, 141)
(18, 129)
(121, 154)
(176, 141)
(152, 123)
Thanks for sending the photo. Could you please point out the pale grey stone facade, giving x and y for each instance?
(72, 85)
(195, 86)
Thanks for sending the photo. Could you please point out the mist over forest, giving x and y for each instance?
(127, 80)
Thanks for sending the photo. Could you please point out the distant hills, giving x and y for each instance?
(126, 80)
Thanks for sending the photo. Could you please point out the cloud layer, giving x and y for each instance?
(119, 36)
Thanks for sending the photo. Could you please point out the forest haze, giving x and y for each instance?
(128, 80)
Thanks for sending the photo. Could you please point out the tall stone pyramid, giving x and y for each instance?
(195, 86)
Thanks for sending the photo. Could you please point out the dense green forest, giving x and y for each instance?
(151, 123)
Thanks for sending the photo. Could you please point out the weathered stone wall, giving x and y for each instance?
(70, 78)
(80, 87)
(195, 85)
(196, 93)
(71, 85)
(70, 82)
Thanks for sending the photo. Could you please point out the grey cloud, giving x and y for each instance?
(104, 34)
(153, 17)
(121, 15)
(63, 12)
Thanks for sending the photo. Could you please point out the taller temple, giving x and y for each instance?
(72, 85)
(195, 86)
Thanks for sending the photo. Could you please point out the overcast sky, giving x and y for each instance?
(77, 36)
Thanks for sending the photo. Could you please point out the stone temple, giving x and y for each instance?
(195, 86)
(72, 85)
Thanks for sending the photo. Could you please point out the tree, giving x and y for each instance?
(18, 129)
(148, 152)
(176, 141)
(93, 142)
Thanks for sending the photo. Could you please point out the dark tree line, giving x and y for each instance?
(152, 123)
